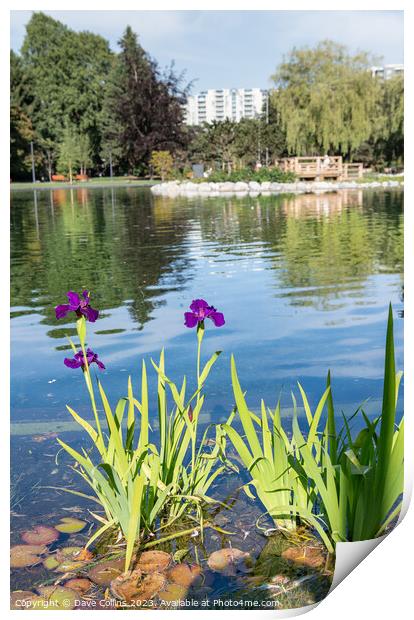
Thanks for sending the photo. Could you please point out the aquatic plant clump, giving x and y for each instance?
(140, 485)
(346, 488)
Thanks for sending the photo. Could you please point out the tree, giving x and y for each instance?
(69, 154)
(21, 128)
(162, 163)
(326, 99)
(21, 134)
(143, 107)
(390, 144)
(84, 151)
(67, 71)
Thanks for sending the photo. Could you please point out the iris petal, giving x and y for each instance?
(62, 310)
(217, 318)
(72, 363)
(74, 300)
(190, 319)
(90, 313)
(199, 305)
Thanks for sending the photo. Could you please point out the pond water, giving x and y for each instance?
(304, 283)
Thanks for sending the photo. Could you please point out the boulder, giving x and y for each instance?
(204, 188)
(255, 186)
(227, 186)
(241, 186)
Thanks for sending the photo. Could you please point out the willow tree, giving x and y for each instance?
(390, 122)
(326, 99)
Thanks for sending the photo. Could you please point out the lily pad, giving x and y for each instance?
(50, 562)
(185, 575)
(40, 535)
(229, 561)
(133, 588)
(306, 556)
(72, 559)
(21, 599)
(80, 584)
(58, 597)
(103, 573)
(70, 525)
(174, 592)
(26, 555)
(153, 561)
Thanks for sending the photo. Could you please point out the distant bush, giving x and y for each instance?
(247, 174)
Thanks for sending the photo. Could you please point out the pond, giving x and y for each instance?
(304, 283)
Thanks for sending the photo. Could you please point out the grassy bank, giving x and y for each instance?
(97, 182)
(380, 178)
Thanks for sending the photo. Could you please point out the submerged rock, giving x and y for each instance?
(153, 561)
(103, 573)
(80, 584)
(173, 592)
(306, 556)
(230, 561)
(132, 587)
(185, 575)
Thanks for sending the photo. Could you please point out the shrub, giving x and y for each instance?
(248, 174)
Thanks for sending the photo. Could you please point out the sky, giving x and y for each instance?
(234, 49)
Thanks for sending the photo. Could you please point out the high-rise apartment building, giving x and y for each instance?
(226, 103)
(387, 71)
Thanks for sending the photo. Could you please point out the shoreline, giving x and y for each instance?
(18, 187)
(252, 188)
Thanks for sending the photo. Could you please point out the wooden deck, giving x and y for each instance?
(321, 168)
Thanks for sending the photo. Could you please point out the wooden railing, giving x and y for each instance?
(320, 168)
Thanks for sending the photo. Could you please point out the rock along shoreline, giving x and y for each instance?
(267, 188)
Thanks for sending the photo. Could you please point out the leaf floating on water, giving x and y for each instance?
(51, 562)
(19, 597)
(185, 575)
(72, 559)
(58, 597)
(174, 592)
(131, 587)
(44, 437)
(180, 554)
(80, 584)
(230, 561)
(103, 573)
(307, 556)
(70, 525)
(153, 561)
(40, 535)
(26, 555)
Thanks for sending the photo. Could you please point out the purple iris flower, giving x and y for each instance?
(79, 361)
(200, 310)
(79, 304)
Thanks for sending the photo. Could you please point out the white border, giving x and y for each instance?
(381, 585)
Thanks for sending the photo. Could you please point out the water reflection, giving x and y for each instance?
(304, 282)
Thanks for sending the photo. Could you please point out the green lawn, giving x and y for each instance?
(380, 178)
(98, 181)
